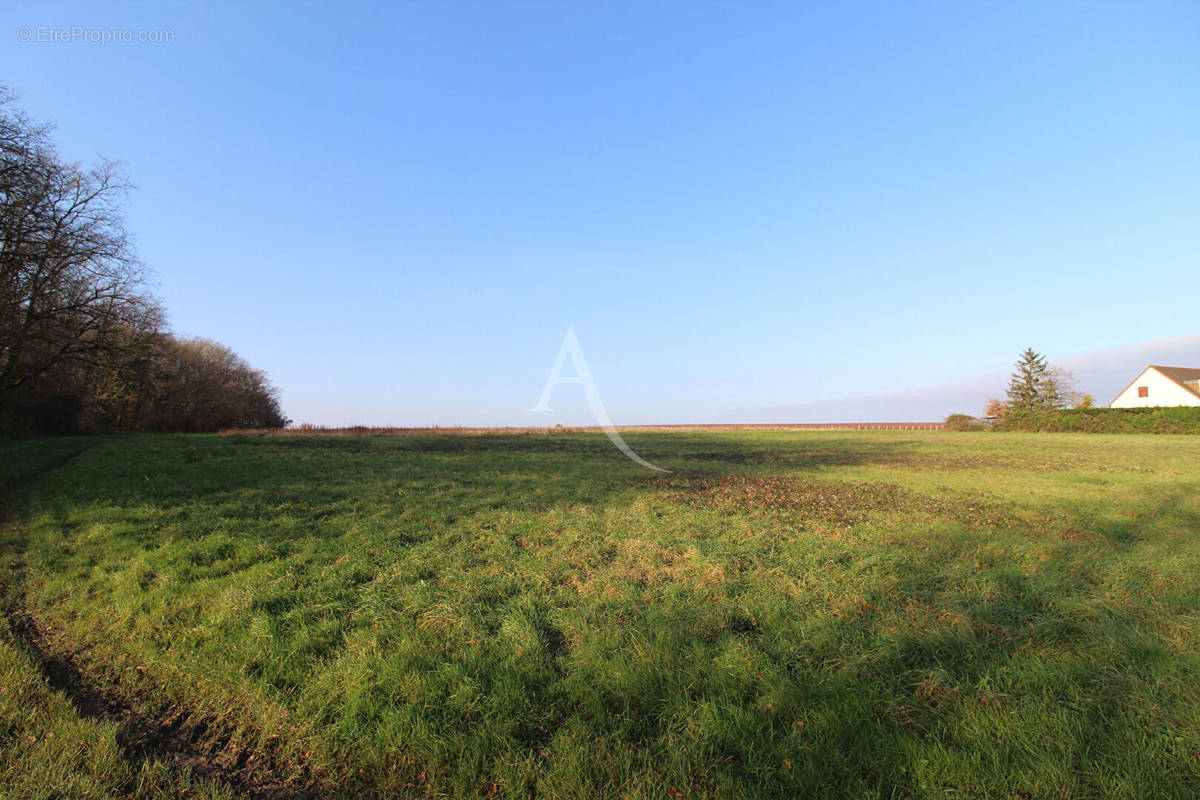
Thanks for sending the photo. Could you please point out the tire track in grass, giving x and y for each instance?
(180, 739)
(11, 489)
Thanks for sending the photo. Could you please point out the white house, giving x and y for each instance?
(1161, 386)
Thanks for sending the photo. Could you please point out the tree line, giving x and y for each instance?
(84, 345)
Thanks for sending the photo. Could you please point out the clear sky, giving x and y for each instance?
(398, 210)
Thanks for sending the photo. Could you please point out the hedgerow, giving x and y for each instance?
(1179, 419)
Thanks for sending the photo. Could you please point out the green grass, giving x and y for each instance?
(785, 614)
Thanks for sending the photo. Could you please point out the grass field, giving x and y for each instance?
(785, 614)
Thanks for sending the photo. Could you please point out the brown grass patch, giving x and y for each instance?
(835, 502)
(830, 501)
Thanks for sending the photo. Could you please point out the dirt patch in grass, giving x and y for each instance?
(834, 502)
(839, 502)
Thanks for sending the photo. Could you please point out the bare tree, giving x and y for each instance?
(208, 387)
(1060, 387)
(72, 290)
(82, 342)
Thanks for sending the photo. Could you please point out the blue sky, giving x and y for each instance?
(398, 210)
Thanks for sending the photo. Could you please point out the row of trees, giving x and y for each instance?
(1036, 385)
(83, 343)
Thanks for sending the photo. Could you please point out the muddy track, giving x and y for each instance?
(184, 741)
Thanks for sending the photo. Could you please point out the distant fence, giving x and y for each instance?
(870, 426)
(796, 426)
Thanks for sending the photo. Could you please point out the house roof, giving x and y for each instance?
(1176, 375)
(1181, 374)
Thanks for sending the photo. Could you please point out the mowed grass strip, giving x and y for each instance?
(814, 614)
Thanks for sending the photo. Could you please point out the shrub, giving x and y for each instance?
(963, 422)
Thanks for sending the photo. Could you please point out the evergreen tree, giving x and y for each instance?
(1033, 387)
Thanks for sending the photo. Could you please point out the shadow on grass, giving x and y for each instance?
(513, 472)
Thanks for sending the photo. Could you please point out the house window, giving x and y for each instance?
(1143, 391)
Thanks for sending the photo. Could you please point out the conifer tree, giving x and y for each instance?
(1032, 387)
